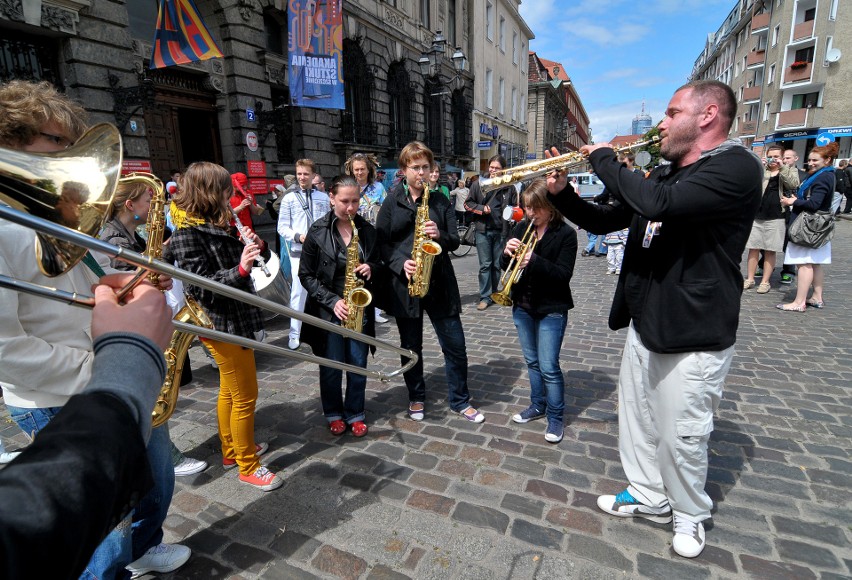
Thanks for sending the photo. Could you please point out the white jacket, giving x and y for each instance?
(293, 219)
(45, 346)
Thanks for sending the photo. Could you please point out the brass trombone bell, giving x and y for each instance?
(72, 188)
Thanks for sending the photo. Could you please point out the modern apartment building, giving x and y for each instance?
(500, 39)
(790, 65)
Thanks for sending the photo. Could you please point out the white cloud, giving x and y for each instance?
(538, 14)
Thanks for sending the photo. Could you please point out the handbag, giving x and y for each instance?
(284, 258)
(469, 236)
(812, 230)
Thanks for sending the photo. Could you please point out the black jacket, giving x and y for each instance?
(395, 226)
(317, 269)
(683, 291)
(497, 201)
(547, 277)
(819, 195)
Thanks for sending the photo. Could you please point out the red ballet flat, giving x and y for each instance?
(359, 428)
(337, 427)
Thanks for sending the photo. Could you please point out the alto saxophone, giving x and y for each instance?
(424, 251)
(356, 296)
(176, 352)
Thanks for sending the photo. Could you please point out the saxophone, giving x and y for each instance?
(424, 251)
(176, 352)
(356, 296)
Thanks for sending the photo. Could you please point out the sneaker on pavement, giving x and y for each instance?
(625, 505)
(293, 343)
(8, 456)
(688, 538)
(416, 410)
(482, 305)
(189, 466)
(527, 415)
(555, 432)
(163, 558)
(379, 318)
(786, 278)
(260, 449)
(263, 479)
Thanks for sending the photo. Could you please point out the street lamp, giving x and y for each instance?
(430, 66)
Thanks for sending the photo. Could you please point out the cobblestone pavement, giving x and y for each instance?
(448, 499)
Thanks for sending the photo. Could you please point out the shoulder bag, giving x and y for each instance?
(812, 230)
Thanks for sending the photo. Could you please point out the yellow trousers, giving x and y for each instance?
(237, 401)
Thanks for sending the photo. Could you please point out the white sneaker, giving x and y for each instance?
(163, 558)
(688, 538)
(8, 456)
(260, 335)
(293, 343)
(379, 318)
(189, 466)
(625, 505)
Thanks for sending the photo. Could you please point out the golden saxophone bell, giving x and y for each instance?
(72, 188)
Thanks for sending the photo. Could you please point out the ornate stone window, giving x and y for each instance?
(402, 95)
(28, 57)
(357, 124)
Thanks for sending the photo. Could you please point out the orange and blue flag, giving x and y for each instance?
(181, 36)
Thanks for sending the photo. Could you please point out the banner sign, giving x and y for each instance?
(315, 56)
(274, 182)
(256, 168)
(181, 36)
(258, 187)
(135, 166)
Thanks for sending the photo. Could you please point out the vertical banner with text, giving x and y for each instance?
(316, 54)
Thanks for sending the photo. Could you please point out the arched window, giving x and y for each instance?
(357, 124)
(433, 100)
(401, 97)
(461, 115)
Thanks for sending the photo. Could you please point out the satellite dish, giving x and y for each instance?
(833, 55)
(643, 158)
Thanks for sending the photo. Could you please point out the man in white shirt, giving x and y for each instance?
(299, 209)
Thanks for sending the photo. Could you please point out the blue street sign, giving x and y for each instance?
(250, 115)
(530, 155)
(824, 139)
(483, 144)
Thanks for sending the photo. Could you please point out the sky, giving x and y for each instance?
(619, 53)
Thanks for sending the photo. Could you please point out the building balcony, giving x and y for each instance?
(748, 128)
(803, 31)
(751, 94)
(793, 118)
(795, 75)
(756, 57)
(760, 21)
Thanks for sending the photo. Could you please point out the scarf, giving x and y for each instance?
(809, 181)
(182, 219)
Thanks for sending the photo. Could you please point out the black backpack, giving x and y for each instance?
(841, 180)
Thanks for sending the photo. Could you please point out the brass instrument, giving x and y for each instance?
(513, 271)
(424, 250)
(30, 183)
(356, 296)
(191, 312)
(529, 171)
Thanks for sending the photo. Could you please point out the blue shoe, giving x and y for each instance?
(555, 432)
(527, 415)
(625, 505)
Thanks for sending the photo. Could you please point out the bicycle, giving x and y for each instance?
(463, 249)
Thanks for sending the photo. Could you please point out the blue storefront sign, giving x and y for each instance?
(530, 155)
(838, 131)
(484, 144)
(792, 135)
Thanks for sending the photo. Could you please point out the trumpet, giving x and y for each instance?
(513, 271)
(36, 188)
(530, 171)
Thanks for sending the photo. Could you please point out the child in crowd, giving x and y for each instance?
(615, 250)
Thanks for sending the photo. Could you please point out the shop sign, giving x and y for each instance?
(484, 144)
(256, 168)
(492, 131)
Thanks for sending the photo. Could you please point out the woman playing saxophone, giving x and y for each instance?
(338, 255)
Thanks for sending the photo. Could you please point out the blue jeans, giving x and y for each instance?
(334, 405)
(595, 240)
(117, 550)
(451, 338)
(489, 246)
(541, 341)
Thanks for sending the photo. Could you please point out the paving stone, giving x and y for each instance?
(471, 439)
(760, 568)
(547, 490)
(830, 478)
(360, 481)
(429, 481)
(718, 557)
(580, 520)
(381, 572)
(430, 502)
(421, 460)
(816, 532)
(457, 468)
(807, 553)
(202, 568)
(505, 446)
(247, 558)
(394, 452)
(284, 571)
(524, 466)
(650, 566)
(539, 536)
(441, 448)
(295, 546)
(523, 505)
(392, 471)
(481, 456)
(570, 479)
(599, 551)
(339, 563)
(483, 517)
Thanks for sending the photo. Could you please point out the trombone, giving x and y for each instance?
(73, 188)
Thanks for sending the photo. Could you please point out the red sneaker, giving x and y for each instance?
(260, 449)
(337, 427)
(263, 479)
(359, 428)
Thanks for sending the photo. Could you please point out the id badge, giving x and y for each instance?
(651, 230)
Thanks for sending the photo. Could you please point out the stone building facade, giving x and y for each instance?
(98, 52)
(789, 66)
